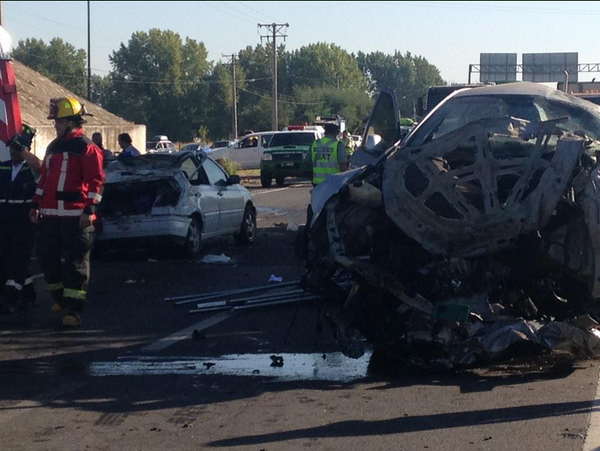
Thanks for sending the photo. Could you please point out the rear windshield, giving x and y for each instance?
(292, 139)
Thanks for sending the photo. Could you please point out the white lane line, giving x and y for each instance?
(592, 438)
(164, 343)
(271, 191)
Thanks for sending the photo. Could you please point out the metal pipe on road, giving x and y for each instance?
(256, 304)
(220, 294)
(251, 300)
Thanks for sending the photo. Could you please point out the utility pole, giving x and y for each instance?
(1, 14)
(275, 29)
(89, 74)
(234, 121)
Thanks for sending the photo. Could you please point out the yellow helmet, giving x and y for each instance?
(67, 108)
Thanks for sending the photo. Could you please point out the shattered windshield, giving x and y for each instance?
(292, 139)
(460, 111)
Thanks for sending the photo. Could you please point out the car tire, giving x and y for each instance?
(266, 180)
(193, 240)
(280, 181)
(247, 233)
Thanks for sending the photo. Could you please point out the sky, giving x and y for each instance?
(450, 35)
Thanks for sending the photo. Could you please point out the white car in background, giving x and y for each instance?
(185, 197)
(247, 152)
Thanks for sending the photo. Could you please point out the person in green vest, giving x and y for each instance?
(328, 155)
(348, 143)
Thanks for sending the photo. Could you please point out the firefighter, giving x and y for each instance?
(328, 155)
(64, 205)
(18, 179)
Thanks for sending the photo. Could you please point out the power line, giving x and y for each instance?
(227, 13)
(236, 9)
(280, 100)
(255, 10)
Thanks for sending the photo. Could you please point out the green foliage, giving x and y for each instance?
(322, 65)
(60, 61)
(409, 76)
(231, 167)
(168, 83)
(159, 81)
(352, 106)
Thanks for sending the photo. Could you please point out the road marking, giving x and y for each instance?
(164, 343)
(592, 438)
(272, 191)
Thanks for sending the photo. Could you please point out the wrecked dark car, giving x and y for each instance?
(476, 236)
(183, 197)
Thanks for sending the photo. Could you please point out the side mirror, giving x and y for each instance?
(234, 180)
(420, 108)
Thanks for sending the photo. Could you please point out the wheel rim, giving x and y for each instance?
(194, 237)
(250, 227)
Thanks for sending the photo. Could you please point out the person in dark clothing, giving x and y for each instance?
(108, 155)
(18, 180)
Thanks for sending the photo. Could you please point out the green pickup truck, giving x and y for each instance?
(288, 155)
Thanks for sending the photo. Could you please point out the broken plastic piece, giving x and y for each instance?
(215, 258)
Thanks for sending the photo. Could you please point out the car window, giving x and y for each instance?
(460, 111)
(265, 140)
(216, 176)
(292, 139)
(251, 141)
(188, 166)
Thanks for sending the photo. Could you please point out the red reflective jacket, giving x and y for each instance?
(71, 177)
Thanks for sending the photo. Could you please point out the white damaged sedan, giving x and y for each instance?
(185, 196)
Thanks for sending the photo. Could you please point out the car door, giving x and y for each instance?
(231, 202)
(205, 196)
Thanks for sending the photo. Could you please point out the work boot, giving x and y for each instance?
(71, 319)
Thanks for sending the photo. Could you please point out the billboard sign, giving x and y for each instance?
(497, 67)
(550, 67)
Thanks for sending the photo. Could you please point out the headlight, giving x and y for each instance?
(266, 157)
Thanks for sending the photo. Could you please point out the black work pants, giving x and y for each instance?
(63, 251)
(16, 247)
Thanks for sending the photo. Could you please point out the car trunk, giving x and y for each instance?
(135, 197)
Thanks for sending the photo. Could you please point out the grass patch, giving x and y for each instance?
(231, 167)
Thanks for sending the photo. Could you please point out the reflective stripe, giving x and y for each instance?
(28, 281)
(17, 201)
(61, 181)
(54, 286)
(75, 294)
(61, 212)
(15, 285)
(5, 168)
(39, 192)
(324, 155)
(96, 196)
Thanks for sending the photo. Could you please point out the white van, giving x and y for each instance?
(247, 151)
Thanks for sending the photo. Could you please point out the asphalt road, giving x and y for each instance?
(134, 377)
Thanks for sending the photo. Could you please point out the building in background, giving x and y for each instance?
(35, 92)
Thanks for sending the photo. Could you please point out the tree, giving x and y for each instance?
(352, 106)
(322, 65)
(60, 61)
(161, 81)
(409, 76)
